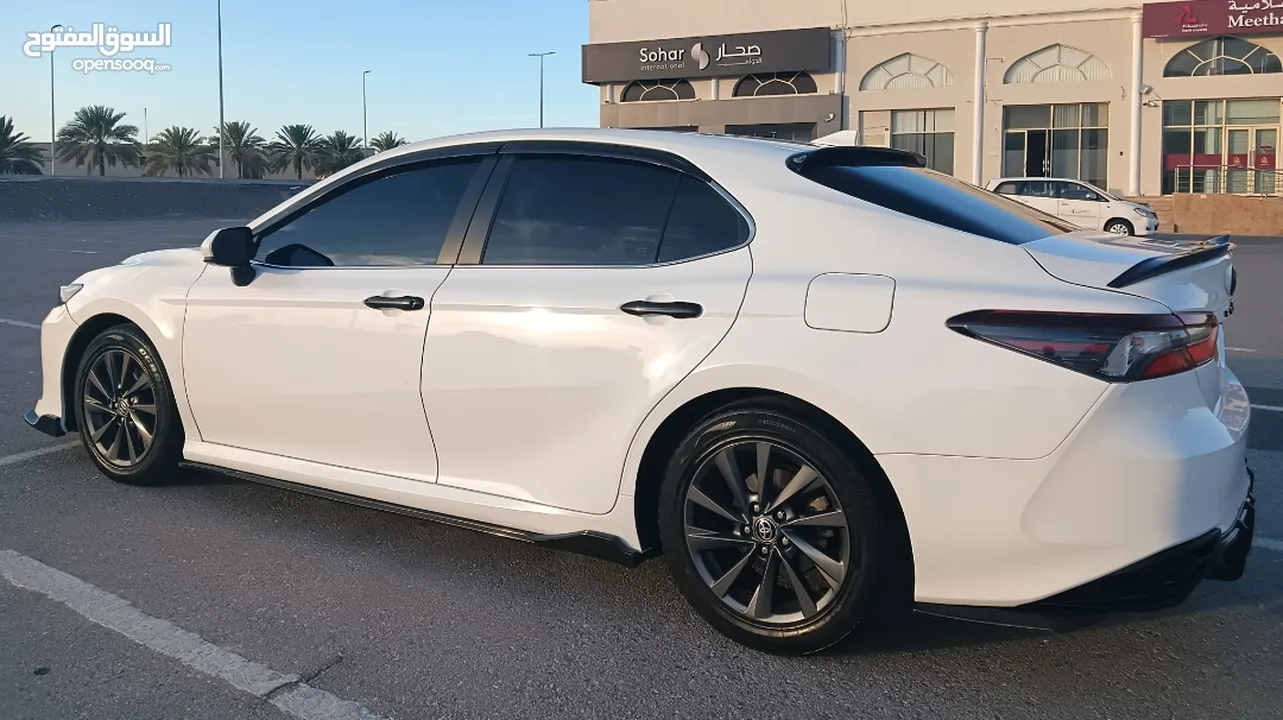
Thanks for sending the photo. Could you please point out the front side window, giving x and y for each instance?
(1074, 191)
(578, 210)
(396, 219)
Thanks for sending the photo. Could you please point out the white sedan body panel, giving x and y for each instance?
(294, 364)
(536, 382)
(523, 398)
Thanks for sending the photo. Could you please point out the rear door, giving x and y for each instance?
(1041, 194)
(591, 282)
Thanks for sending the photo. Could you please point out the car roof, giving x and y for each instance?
(679, 142)
(1038, 179)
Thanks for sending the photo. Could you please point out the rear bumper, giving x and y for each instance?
(1150, 469)
(1160, 581)
(1167, 578)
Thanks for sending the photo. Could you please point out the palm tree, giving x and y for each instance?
(337, 151)
(387, 141)
(18, 155)
(180, 149)
(295, 146)
(243, 144)
(96, 137)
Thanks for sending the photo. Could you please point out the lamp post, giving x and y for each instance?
(365, 131)
(221, 127)
(53, 125)
(541, 56)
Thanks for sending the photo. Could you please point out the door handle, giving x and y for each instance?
(677, 309)
(402, 302)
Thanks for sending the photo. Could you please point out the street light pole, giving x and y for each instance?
(365, 130)
(541, 56)
(221, 127)
(53, 125)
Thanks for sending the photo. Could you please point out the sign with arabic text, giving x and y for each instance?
(709, 56)
(1198, 18)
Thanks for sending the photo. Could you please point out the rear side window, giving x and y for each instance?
(942, 199)
(1008, 188)
(701, 222)
(580, 211)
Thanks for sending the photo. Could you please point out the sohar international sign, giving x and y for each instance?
(1212, 17)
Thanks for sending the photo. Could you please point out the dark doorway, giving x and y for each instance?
(1036, 163)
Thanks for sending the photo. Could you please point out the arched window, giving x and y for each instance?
(651, 90)
(782, 83)
(1057, 64)
(1223, 56)
(907, 71)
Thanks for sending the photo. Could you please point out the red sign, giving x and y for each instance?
(1197, 18)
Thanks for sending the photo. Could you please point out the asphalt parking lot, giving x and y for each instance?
(357, 613)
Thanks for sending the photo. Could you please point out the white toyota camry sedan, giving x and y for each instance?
(826, 384)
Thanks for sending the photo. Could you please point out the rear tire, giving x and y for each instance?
(125, 410)
(826, 537)
(1119, 226)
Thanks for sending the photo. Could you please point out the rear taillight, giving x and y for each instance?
(1117, 348)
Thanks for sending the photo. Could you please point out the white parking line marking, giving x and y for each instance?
(19, 323)
(1271, 408)
(1233, 349)
(82, 252)
(16, 458)
(1268, 544)
(283, 690)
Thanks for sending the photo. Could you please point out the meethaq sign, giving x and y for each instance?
(709, 56)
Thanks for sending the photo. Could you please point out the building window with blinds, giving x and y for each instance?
(926, 132)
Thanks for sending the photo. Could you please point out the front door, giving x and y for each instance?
(319, 357)
(601, 284)
(1078, 204)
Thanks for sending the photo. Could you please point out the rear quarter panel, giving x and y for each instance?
(914, 387)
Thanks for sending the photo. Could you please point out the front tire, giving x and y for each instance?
(125, 410)
(790, 566)
(1120, 227)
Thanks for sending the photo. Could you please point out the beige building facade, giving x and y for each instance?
(1142, 100)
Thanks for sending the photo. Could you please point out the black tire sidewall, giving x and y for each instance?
(858, 596)
(166, 450)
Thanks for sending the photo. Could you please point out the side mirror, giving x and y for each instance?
(231, 247)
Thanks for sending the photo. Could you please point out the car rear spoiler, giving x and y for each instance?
(852, 156)
(1196, 253)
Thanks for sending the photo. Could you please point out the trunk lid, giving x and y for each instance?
(1184, 275)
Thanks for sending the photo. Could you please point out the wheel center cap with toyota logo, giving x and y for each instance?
(765, 530)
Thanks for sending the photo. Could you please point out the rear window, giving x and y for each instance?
(942, 199)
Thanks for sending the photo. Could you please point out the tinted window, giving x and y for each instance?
(701, 222)
(398, 219)
(944, 200)
(580, 211)
(1074, 191)
(1008, 188)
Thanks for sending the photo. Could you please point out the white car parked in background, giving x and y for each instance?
(824, 383)
(1079, 202)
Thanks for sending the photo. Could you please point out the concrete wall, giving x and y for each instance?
(30, 198)
(1233, 214)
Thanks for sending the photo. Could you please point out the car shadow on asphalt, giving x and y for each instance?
(457, 553)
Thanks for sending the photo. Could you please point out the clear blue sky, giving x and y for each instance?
(438, 66)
